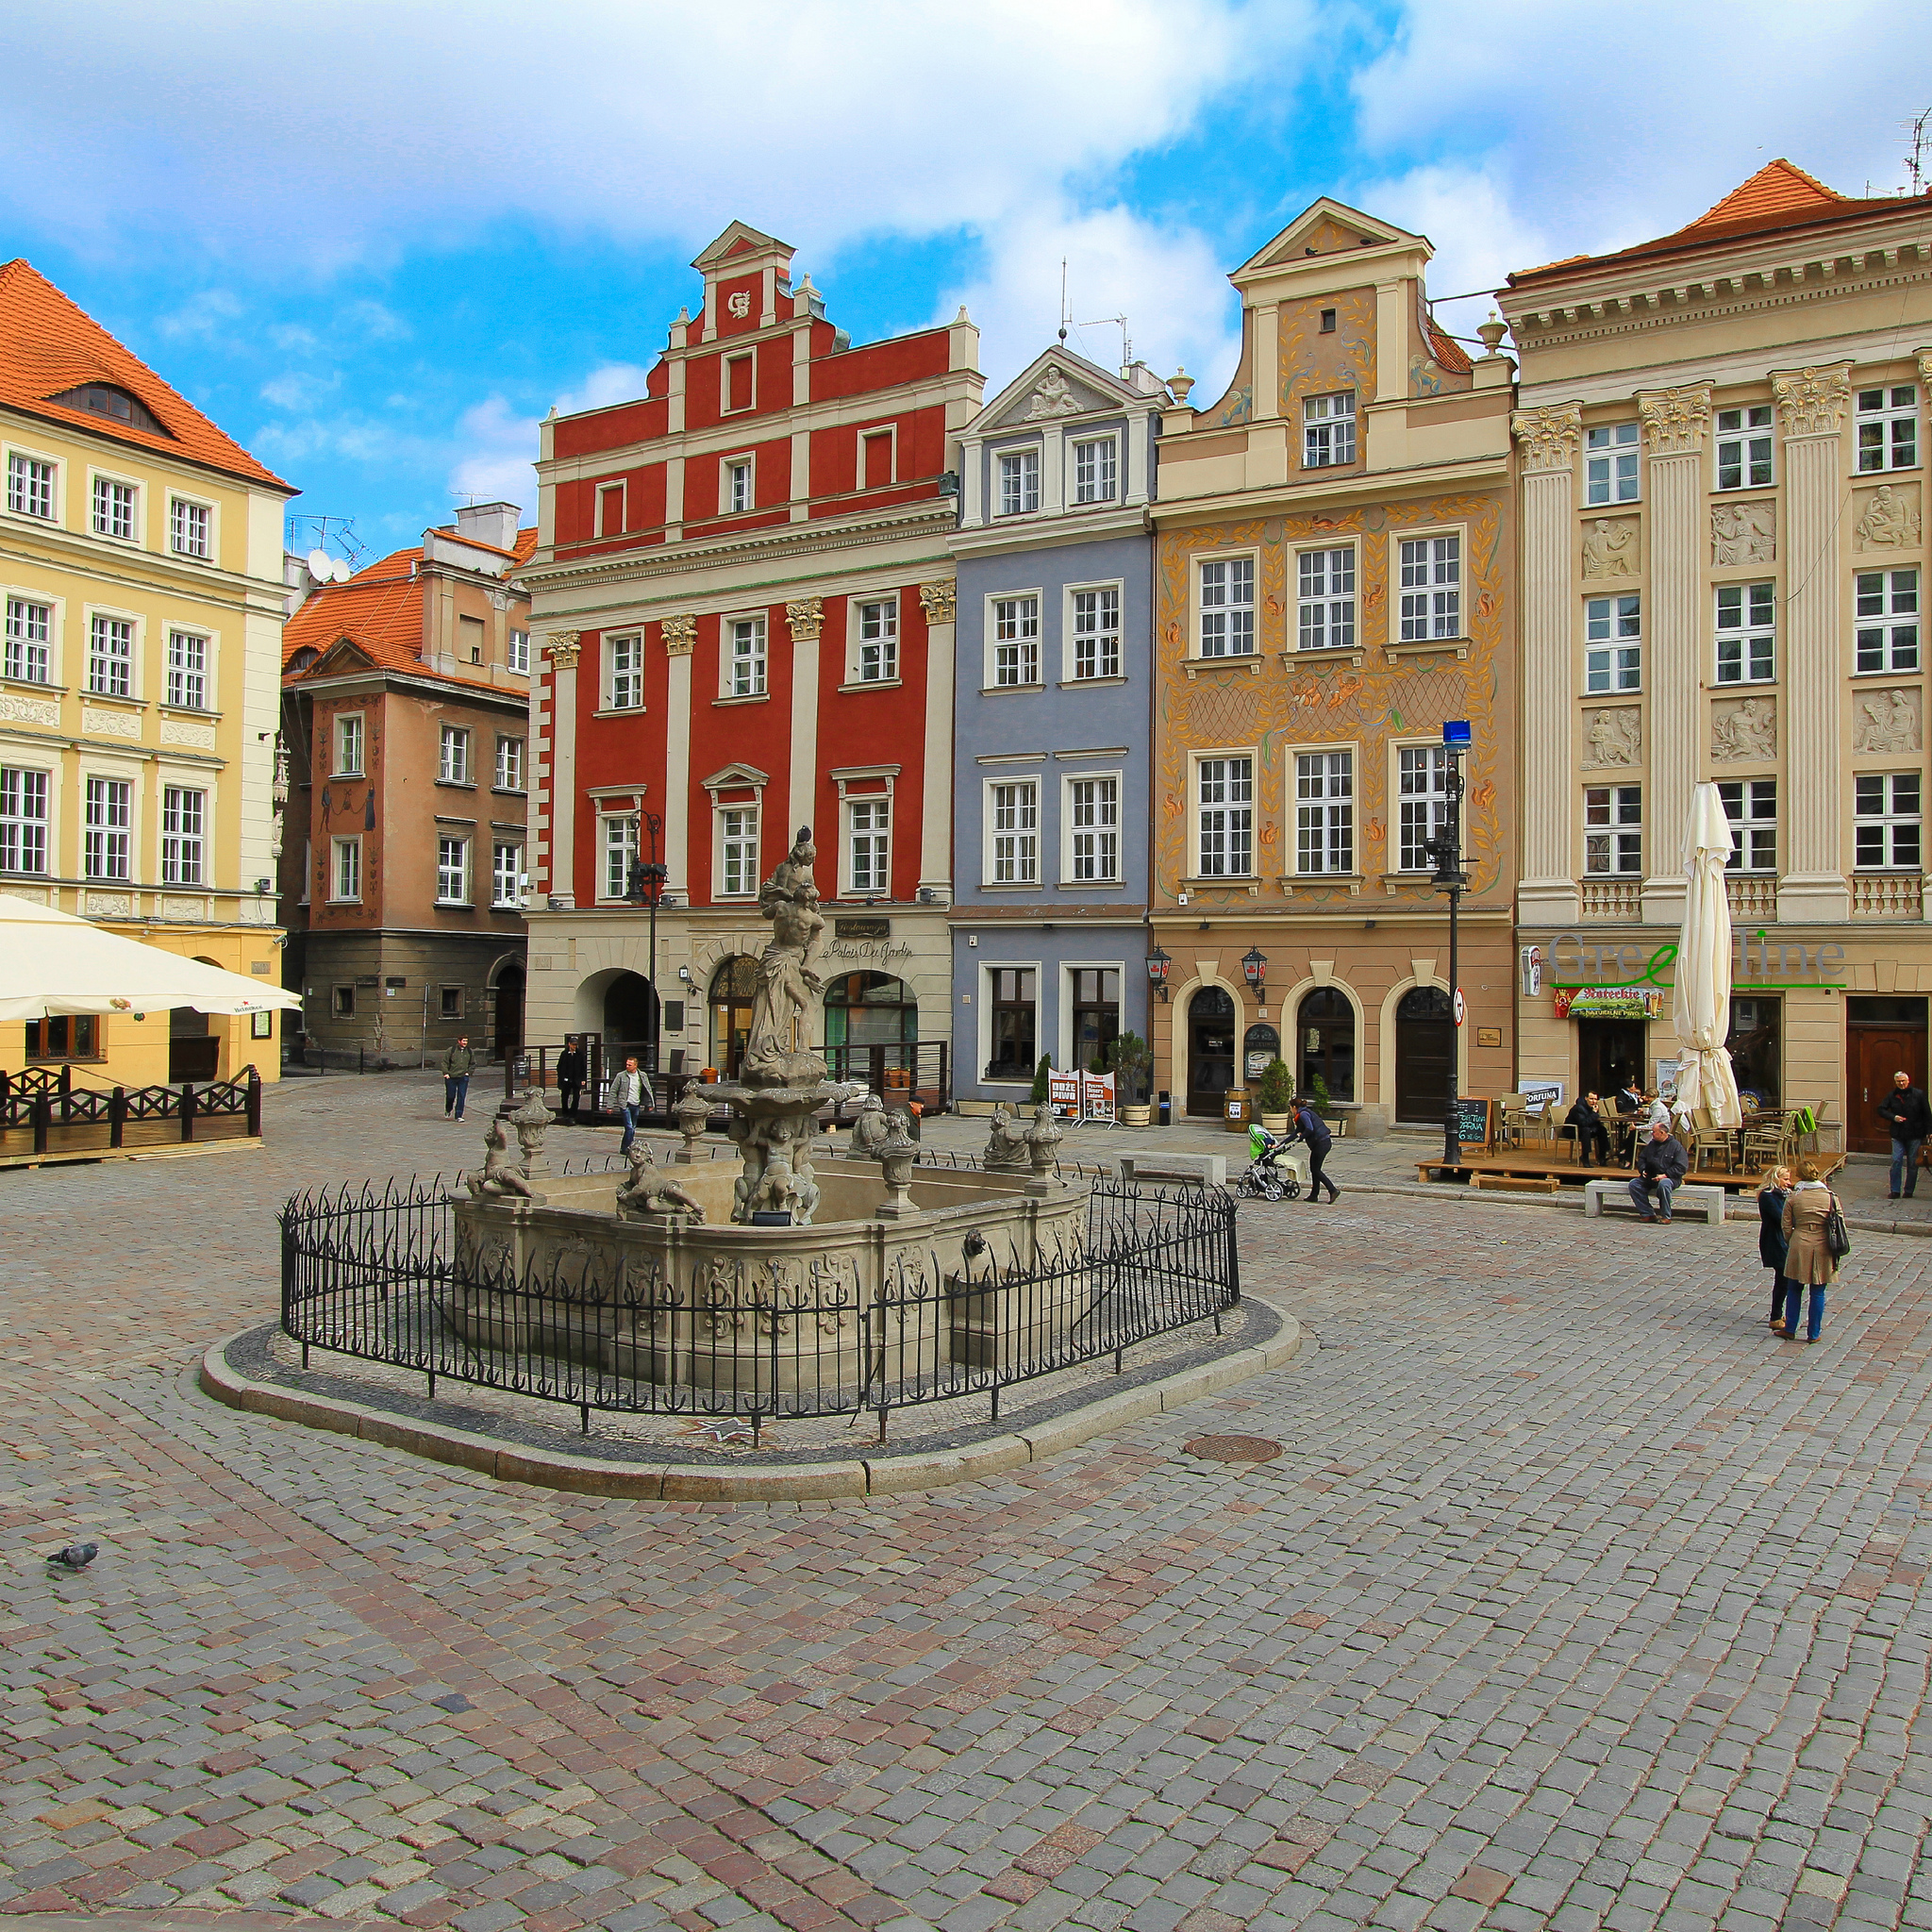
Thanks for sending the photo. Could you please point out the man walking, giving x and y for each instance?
(630, 1094)
(1903, 1110)
(1661, 1163)
(1316, 1137)
(456, 1065)
(569, 1077)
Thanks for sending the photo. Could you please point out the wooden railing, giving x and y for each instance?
(41, 1101)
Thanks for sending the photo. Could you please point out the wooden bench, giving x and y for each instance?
(1710, 1202)
(1519, 1183)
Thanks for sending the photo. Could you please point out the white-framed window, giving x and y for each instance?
(22, 819)
(509, 763)
(30, 640)
(1093, 829)
(517, 652)
(1324, 599)
(1887, 627)
(1096, 469)
(738, 851)
(111, 655)
(619, 851)
(453, 758)
(29, 486)
(1885, 815)
(1612, 828)
(1324, 811)
(344, 871)
(1431, 587)
(348, 745)
(1225, 796)
(184, 836)
(115, 509)
(878, 641)
(870, 844)
(451, 870)
(1751, 804)
(506, 873)
(1327, 430)
(1609, 463)
(1743, 447)
(624, 674)
(745, 663)
(187, 670)
(191, 527)
(1227, 606)
(1019, 482)
(737, 484)
(1888, 421)
(1746, 633)
(1613, 644)
(1013, 842)
(108, 832)
(1096, 629)
(1015, 641)
(1421, 790)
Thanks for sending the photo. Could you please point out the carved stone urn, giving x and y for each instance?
(532, 1121)
(897, 1156)
(694, 1115)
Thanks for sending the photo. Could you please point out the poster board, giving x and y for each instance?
(1063, 1095)
(1472, 1120)
(1097, 1099)
(1536, 1092)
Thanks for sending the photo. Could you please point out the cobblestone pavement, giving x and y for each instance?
(1575, 1599)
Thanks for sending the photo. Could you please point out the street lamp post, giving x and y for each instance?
(1447, 850)
(645, 887)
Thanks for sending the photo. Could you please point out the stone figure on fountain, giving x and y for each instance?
(503, 1177)
(871, 1130)
(1006, 1144)
(649, 1190)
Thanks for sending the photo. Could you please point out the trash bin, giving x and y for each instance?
(1234, 1109)
(1163, 1112)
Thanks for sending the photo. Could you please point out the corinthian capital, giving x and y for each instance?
(680, 635)
(1811, 402)
(938, 602)
(1549, 436)
(1925, 367)
(1674, 419)
(560, 647)
(805, 619)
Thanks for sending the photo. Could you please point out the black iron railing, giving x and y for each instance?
(388, 1276)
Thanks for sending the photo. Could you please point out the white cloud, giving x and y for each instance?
(208, 313)
(299, 393)
(499, 454)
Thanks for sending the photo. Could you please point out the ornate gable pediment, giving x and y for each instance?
(344, 655)
(1057, 385)
(737, 776)
(1326, 227)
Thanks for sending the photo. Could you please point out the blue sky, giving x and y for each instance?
(376, 242)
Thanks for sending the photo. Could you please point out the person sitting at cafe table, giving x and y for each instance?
(1661, 1163)
(1629, 1098)
(1593, 1137)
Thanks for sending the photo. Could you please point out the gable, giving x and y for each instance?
(1326, 227)
(1059, 384)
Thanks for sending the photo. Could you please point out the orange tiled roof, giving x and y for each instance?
(526, 544)
(1780, 195)
(48, 344)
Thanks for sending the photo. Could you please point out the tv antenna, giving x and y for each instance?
(1915, 161)
(1119, 321)
(1066, 313)
(327, 534)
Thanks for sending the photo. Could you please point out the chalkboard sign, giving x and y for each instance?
(1472, 1120)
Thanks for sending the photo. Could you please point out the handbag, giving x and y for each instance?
(1837, 1240)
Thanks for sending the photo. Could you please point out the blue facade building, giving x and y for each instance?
(1052, 722)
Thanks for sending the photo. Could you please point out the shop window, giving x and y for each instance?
(1096, 1014)
(1756, 1044)
(870, 1009)
(1324, 1039)
(65, 1036)
(1014, 1023)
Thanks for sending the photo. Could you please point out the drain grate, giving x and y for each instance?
(1233, 1448)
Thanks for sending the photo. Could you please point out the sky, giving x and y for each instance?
(377, 242)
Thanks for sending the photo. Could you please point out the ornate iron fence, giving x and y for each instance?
(385, 1276)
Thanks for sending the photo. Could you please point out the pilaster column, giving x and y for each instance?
(939, 602)
(805, 618)
(560, 647)
(1676, 624)
(680, 635)
(1547, 440)
(1812, 406)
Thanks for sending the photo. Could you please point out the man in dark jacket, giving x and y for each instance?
(1903, 1110)
(570, 1078)
(1593, 1137)
(1661, 1163)
(1315, 1135)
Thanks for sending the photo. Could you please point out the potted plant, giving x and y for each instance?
(1039, 1073)
(1132, 1060)
(1275, 1096)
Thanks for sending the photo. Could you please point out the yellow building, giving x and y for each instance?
(141, 567)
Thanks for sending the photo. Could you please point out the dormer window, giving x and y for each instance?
(104, 399)
(1328, 430)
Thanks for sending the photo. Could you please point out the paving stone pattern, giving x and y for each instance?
(1575, 1599)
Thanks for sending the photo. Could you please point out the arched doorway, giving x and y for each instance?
(1325, 1043)
(194, 1048)
(733, 988)
(1424, 1052)
(510, 1011)
(871, 1025)
(630, 1014)
(1210, 1050)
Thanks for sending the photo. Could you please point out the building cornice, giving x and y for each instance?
(1053, 533)
(380, 677)
(166, 574)
(1357, 492)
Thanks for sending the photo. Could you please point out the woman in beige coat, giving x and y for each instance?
(1808, 1259)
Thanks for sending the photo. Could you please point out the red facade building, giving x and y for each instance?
(744, 601)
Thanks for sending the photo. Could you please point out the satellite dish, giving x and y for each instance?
(344, 570)
(321, 566)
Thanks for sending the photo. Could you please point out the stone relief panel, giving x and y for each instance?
(110, 724)
(1887, 721)
(1742, 728)
(19, 709)
(185, 731)
(110, 906)
(1743, 533)
(1609, 547)
(1613, 736)
(1888, 517)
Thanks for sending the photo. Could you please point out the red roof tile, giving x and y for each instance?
(48, 344)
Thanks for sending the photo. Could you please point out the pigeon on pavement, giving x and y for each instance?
(74, 1556)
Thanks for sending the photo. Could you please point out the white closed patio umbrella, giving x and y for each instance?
(1702, 1003)
(52, 962)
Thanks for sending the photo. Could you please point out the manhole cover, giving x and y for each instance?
(1233, 1448)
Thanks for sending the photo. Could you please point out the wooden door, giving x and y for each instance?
(1210, 1051)
(1872, 1055)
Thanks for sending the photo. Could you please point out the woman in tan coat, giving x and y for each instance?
(1808, 1259)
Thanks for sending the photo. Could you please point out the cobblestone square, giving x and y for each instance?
(1575, 1599)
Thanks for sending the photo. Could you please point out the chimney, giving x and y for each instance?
(494, 524)
(295, 575)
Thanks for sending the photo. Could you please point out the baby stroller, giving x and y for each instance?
(1277, 1167)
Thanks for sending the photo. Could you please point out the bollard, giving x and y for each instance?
(187, 1111)
(117, 1117)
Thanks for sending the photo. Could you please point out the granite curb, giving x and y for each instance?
(832, 1479)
